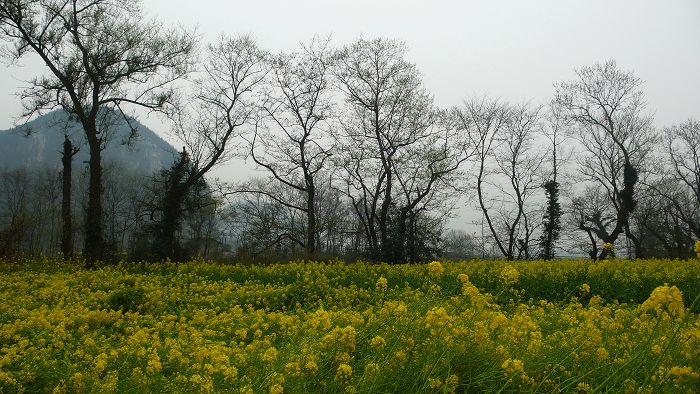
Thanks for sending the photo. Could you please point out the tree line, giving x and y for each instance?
(359, 160)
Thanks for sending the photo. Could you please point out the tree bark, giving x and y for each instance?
(66, 214)
(310, 218)
(93, 219)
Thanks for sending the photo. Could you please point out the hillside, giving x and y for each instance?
(38, 144)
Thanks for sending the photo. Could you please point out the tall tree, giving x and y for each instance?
(222, 102)
(671, 210)
(607, 105)
(387, 110)
(293, 141)
(552, 217)
(100, 54)
(683, 147)
(508, 164)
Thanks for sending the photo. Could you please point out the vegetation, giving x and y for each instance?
(357, 160)
(538, 326)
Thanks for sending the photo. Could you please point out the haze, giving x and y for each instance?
(510, 49)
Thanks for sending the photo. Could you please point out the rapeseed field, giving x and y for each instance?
(476, 326)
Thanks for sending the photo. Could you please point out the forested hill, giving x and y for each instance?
(38, 144)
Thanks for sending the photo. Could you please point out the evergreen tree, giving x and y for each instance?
(551, 220)
(176, 194)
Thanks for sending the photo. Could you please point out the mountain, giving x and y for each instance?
(39, 143)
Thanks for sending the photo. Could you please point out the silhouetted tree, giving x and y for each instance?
(607, 105)
(174, 193)
(292, 142)
(387, 110)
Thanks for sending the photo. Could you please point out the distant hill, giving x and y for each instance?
(38, 144)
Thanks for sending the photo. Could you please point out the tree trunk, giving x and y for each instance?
(66, 214)
(638, 249)
(93, 217)
(310, 219)
(384, 218)
(400, 242)
(627, 205)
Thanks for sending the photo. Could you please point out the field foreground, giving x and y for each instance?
(613, 326)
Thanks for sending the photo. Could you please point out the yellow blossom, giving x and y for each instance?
(665, 298)
(512, 366)
(510, 275)
(434, 383)
(311, 366)
(435, 269)
(154, 365)
(371, 369)
(100, 363)
(678, 374)
(382, 284)
(270, 355)
(602, 354)
(377, 341)
(344, 372)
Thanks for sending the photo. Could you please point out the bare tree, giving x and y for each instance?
(519, 162)
(683, 144)
(671, 207)
(293, 141)
(661, 220)
(590, 212)
(266, 227)
(100, 54)
(387, 109)
(508, 164)
(427, 172)
(607, 105)
(223, 102)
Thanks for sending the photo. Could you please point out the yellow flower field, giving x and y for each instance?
(560, 326)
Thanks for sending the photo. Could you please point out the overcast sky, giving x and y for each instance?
(513, 49)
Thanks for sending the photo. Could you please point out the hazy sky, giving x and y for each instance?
(513, 49)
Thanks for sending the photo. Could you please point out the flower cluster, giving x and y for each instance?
(382, 284)
(665, 299)
(510, 275)
(435, 269)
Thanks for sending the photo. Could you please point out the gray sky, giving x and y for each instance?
(513, 49)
